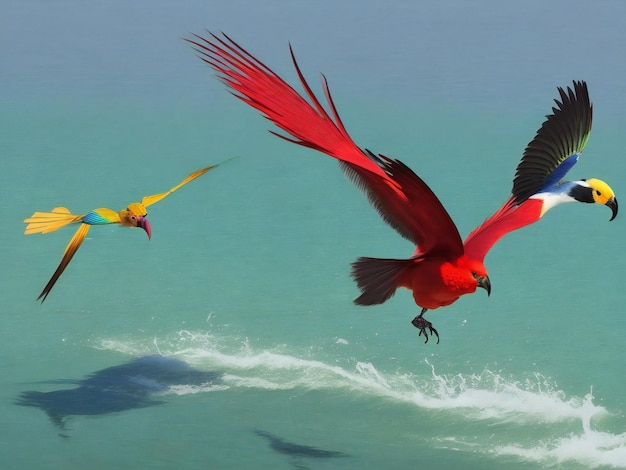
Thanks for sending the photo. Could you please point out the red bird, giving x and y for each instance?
(443, 267)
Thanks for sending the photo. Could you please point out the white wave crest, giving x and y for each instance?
(591, 448)
(487, 396)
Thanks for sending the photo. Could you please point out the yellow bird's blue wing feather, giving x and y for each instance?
(101, 216)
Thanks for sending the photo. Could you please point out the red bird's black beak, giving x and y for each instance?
(485, 283)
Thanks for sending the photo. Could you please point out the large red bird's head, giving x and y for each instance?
(467, 275)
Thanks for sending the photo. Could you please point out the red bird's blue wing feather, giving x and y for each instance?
(557, 145)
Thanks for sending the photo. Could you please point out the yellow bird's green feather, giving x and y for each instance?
(101, 216)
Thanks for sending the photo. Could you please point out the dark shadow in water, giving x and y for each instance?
(297, 451)
(117, 388)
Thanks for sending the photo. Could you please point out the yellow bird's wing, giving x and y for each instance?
(46, 222)
(71, 248)
(149, 200)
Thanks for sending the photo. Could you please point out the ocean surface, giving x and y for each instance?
(247, 271)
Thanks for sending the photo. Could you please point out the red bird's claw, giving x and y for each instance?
(422, 324)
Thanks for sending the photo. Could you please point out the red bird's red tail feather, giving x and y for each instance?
(378, 278)
(309, 125)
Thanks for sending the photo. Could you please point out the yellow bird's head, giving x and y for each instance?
(601, 193)
(135, 216)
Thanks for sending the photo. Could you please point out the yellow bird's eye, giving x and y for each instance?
(600, 191)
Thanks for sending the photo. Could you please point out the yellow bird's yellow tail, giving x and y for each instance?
(45, 222)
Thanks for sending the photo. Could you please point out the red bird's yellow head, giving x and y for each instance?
(135, 216)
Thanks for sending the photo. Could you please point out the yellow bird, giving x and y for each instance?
(133, 216)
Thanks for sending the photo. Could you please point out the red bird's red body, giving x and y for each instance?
(442, 268)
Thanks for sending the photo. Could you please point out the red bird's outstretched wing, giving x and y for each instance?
(257, 85)
(418, 216)
(557, 145)
(554, 150)
(508, 218)
(400, 196)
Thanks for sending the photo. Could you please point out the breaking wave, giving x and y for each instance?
(488, 396)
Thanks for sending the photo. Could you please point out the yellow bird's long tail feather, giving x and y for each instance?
(46, 222)
(149, 200)
(70, 250)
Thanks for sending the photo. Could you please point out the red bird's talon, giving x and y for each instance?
(422, 324)
(434, 331)
(425, 335)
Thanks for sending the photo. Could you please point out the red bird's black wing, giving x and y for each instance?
(409, 206)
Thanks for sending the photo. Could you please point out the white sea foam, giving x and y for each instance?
(490, 396)
(486, 396)
(591, 448)
(193, 389)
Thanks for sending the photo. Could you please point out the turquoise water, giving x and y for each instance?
(247, 271)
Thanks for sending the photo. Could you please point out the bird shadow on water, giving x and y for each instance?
(297, 452)
(114, 389)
